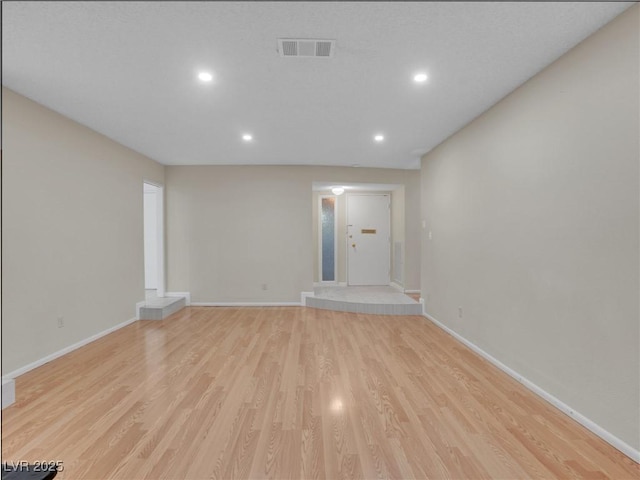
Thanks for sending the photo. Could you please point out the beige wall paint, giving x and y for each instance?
(72, 231)
(535, 217)
(232, 229)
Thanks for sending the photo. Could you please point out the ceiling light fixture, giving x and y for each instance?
(247, 137)
(420, 77)
(337, 190)
(205, 76)
(378, 138)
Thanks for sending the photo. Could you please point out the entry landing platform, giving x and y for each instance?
(379, 300)
(156, 308)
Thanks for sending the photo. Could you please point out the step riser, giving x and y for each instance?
(368, 308)
(160, 313)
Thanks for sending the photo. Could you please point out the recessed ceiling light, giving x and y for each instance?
(378, 138)
(205, 76)
(247, 137)
(420, 77)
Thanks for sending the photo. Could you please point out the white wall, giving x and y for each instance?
(232, 229)
(535, 217)
(72, 231)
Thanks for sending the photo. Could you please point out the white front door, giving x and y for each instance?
(368, 239)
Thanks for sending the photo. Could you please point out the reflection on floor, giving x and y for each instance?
(381, 300)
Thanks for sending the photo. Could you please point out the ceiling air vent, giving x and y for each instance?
(306, 47)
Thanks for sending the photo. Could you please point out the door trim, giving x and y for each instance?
(160, 235)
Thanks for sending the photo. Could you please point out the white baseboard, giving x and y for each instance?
(245, 304)
(607, 436)
(412, 291)
(302, 302)
(8, 391)
(186, 295)
(70, 348)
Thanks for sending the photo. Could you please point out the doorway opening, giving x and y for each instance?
(153, 214)
(331, 231)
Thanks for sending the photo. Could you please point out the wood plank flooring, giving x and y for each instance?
(294, 393)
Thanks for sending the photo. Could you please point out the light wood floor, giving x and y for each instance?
(292, 393)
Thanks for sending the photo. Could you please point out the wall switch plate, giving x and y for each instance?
(60, 321)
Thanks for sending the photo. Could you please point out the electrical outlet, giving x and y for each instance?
(60, 321)
(430, 235)
(459, 312)
(265, 286)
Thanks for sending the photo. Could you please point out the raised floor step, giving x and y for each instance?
(161, 308)
(377, 300)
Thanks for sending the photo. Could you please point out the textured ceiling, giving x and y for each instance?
(128, 70)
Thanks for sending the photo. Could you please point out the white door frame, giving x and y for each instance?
(160, 234)
(335, 240)
(347, 246)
